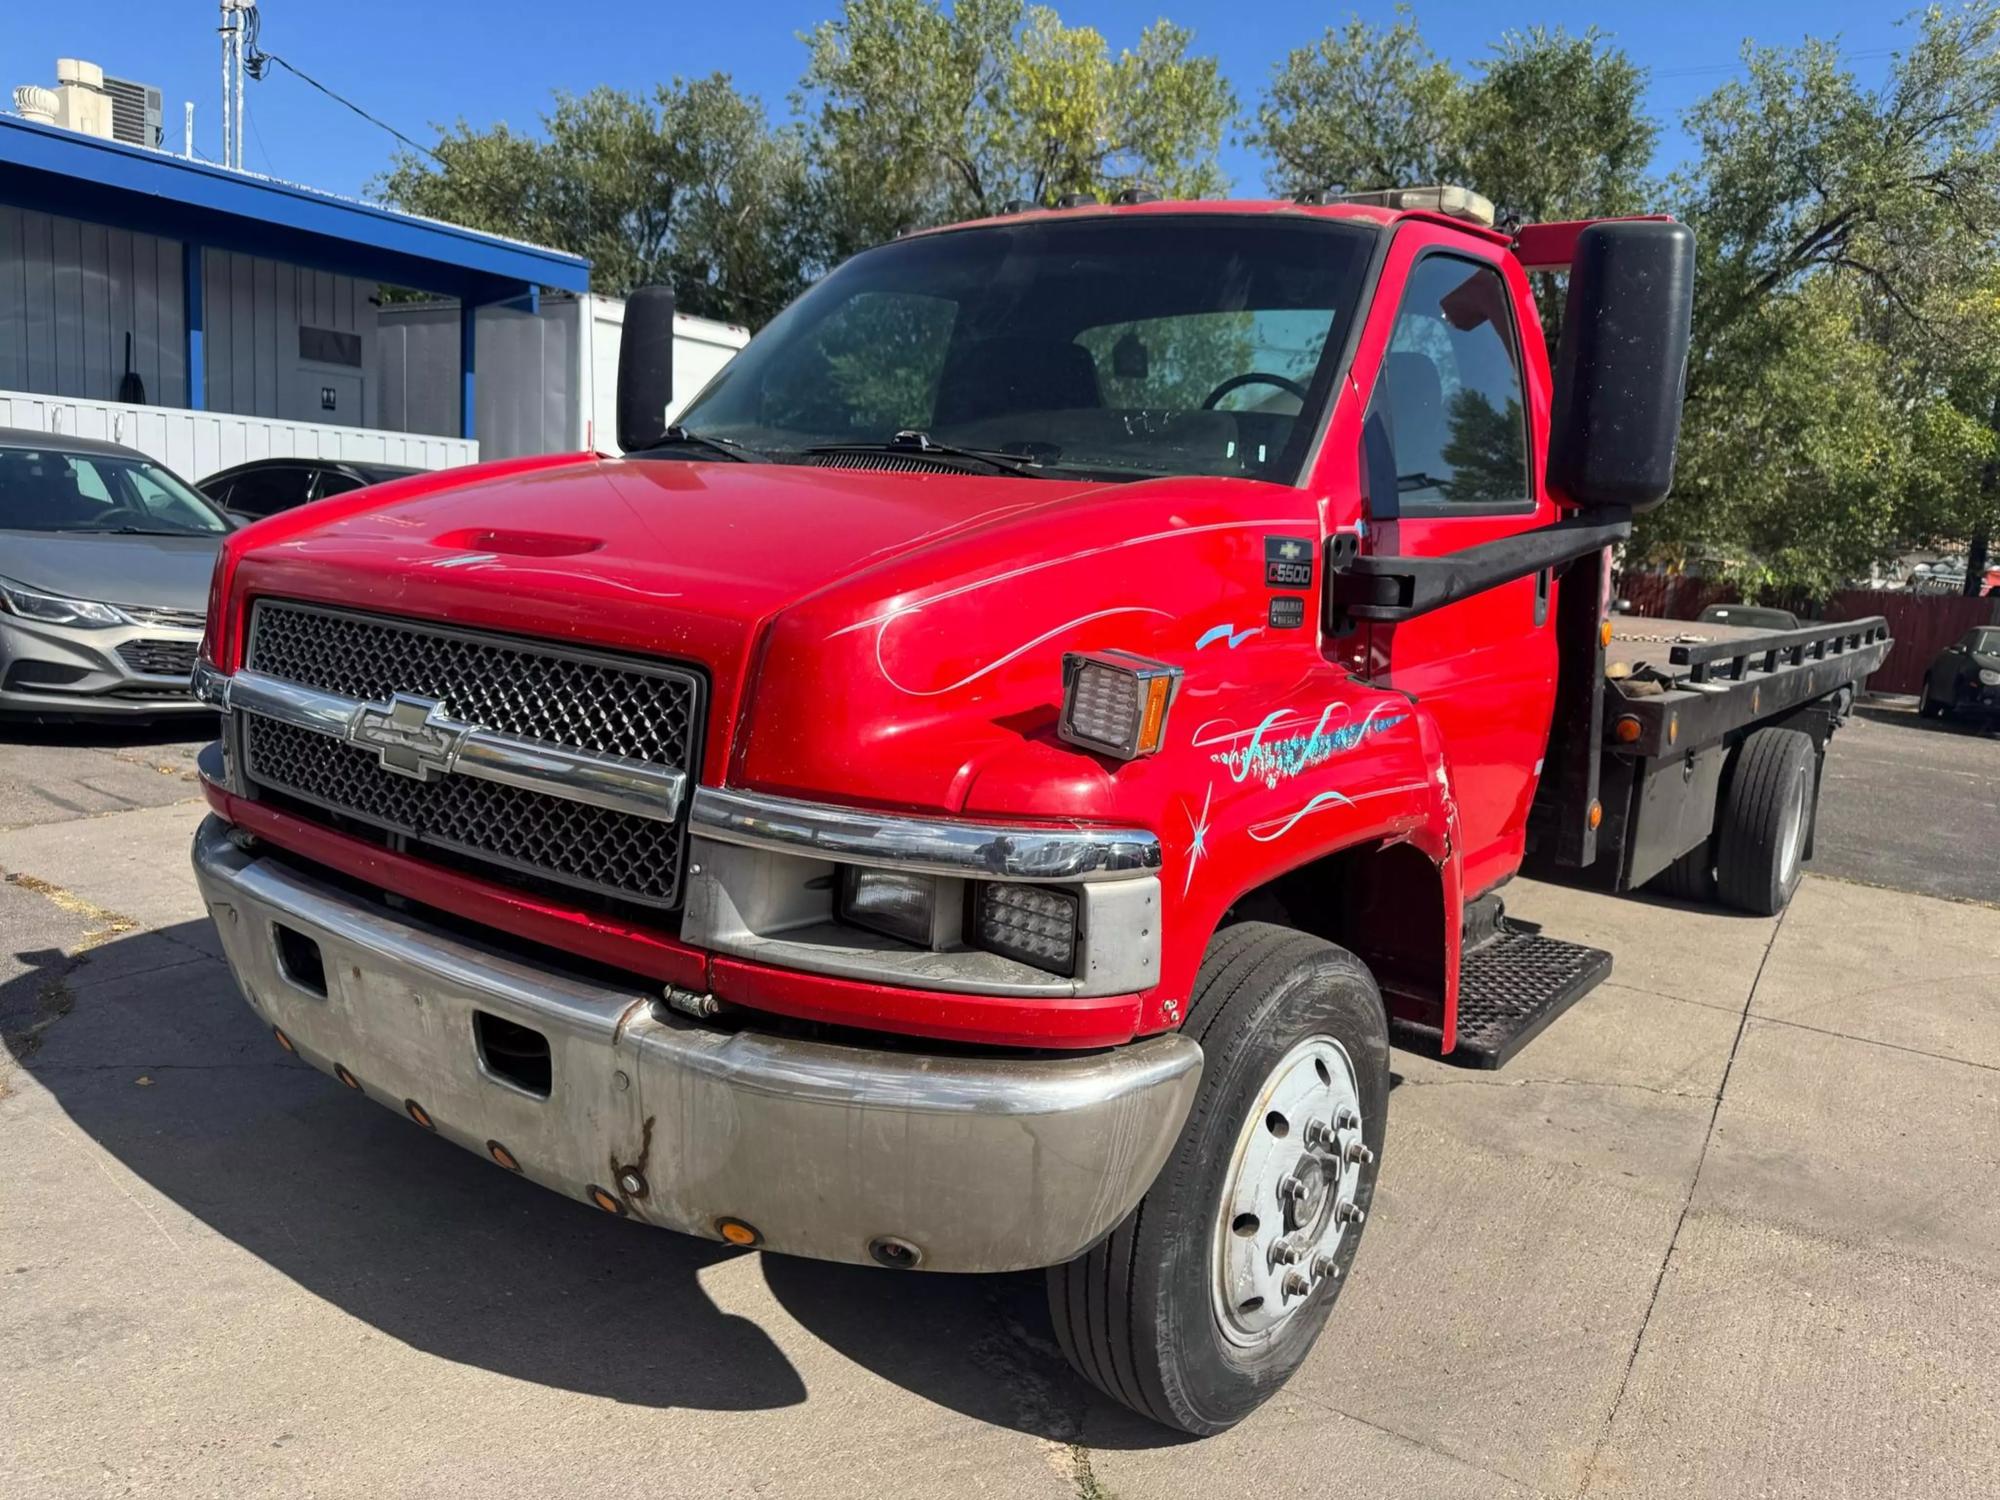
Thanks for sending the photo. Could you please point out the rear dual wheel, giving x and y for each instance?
(1766, 823)
(1202, 1303)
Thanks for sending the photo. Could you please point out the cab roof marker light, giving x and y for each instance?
(1116, 703)
(1442, 198)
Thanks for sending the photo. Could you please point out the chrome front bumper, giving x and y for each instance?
(972, 1163)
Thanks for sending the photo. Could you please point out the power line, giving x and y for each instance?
(1695, 69)
(256, 62)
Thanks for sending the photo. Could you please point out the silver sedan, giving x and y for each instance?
(104, 565)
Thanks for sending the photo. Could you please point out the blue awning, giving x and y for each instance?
(107, 182)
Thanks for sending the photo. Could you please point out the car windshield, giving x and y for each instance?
(46, 489)
(1123, 345)
(1985, 642)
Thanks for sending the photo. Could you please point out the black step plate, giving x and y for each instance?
(1509, 988)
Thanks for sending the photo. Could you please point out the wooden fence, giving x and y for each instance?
(1922, 624)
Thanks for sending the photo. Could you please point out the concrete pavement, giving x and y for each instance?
(1728, 1228)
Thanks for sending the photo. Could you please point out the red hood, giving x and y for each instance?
(662, 558)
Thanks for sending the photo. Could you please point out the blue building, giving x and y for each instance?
(210, 316)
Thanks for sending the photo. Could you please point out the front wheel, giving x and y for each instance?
(1927, 706)
(1202, 1303)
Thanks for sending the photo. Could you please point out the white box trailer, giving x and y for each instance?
(547, 381)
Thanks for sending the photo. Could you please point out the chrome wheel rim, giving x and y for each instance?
(1288, 1198)
(1795, 831)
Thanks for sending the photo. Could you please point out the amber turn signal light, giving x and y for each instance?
(1626, 730)
(502, 1155)
(1116, 703)
(609, 1202)
(738, 1233)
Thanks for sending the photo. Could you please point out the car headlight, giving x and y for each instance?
(1988, 677)
(53, 609)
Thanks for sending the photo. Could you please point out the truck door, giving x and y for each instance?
(1451, 396)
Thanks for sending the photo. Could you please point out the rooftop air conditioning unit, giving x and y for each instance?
(135, 113)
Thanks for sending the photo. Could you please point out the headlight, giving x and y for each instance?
(890, 902)
(1033, 923)
(52, 609)
(1989, 678)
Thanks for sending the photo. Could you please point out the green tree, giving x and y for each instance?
(920, 116)
(1363, 107)
(1549, 127)
(1843, 358)
(691, 186)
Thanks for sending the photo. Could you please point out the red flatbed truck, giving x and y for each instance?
(987, 790)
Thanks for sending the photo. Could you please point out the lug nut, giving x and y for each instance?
(1321, 1136)
(1297, 1284)
(1288, 1252)
(1345, 1118)
(1291, 1189)
(1359, 1155)
(1349, 1213)
(1323, 1266)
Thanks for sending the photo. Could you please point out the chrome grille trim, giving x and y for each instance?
(540, 761)
(938, 846)
(558, 694)
(617, 783)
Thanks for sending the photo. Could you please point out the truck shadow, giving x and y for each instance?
(432, 1246)
(107, 734)
(443, 1251)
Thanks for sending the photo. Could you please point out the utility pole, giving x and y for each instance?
(238, 18)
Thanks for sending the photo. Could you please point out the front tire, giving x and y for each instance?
(1201, 1304)
(1927, 706)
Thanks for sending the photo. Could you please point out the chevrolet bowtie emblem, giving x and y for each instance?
(1290, 551)
(410, 736)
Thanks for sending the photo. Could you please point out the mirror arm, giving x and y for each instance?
(1389, 590)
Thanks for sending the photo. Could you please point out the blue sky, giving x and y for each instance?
(418, 61)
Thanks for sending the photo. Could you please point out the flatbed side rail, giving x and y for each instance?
(1709, 660)
(1713, 689)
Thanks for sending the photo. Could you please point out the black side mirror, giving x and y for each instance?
(646, 368)
(1621, 369)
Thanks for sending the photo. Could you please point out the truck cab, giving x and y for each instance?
(984, 788)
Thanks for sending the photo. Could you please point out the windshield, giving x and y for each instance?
(1985, 642)
(1130, 346)
(46, 490)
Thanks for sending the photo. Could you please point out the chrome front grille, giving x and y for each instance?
(614, 706)
(575, 698)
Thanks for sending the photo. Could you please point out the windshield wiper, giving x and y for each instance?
(916, 443)
(681, 437)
